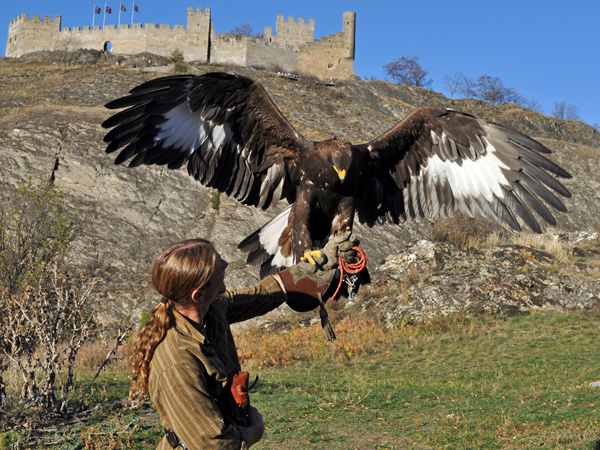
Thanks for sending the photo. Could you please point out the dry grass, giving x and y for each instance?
(89, 359)
(562, 251)
(356, 336)
(465, 232)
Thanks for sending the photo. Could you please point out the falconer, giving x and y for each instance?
(185, 359)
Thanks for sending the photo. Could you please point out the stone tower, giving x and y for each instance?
(349, 31)
(331, 57)
(198, 35)
(30, 35)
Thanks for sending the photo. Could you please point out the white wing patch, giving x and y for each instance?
(475, 184)
(269, 238)
(180, 127)
(185, 130)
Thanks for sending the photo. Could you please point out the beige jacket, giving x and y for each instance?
(189, 371)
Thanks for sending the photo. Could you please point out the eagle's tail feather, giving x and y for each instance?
(266, 247)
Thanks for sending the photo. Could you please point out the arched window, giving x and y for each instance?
(107, 46)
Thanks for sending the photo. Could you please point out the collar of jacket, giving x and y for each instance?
(210, 358)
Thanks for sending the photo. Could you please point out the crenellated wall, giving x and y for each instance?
(291, 34)
(292, 48)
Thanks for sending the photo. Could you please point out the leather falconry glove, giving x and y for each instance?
(340, 246)
(305, 280)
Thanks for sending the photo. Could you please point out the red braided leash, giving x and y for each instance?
(351, 268)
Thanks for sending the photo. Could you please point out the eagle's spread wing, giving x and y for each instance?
(437, 162)
(225, 127)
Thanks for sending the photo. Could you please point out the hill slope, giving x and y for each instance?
(50, 116)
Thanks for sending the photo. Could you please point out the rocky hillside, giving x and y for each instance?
(51, 109)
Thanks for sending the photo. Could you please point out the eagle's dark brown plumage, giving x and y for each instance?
(233, 138)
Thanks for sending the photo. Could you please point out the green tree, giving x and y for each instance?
(178, 61)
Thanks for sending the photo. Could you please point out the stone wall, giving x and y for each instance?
(291, 34)
(268, 57)
(292, 48)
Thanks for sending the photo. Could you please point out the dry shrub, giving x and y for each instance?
(355, 337)
(48, 308)
(462, 231)
(93, 354)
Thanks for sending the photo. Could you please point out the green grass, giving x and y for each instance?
(483, 383)
(519, 383)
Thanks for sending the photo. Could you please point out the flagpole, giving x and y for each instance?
(104, 17)
(94, 16)
(132, 9)
(119, 22)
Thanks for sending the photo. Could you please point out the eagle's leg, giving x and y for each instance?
(300, 233)
(344, 218)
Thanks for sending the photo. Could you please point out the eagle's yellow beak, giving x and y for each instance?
(341, 173)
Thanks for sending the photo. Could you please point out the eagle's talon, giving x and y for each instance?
(338, 232)
(309, 255)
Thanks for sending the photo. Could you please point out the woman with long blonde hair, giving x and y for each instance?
(185, 359)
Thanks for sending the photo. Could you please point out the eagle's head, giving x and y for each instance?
(339, 153)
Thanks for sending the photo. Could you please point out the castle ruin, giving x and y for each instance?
(292, 48)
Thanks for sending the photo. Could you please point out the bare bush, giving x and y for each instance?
(45, 326)
(35, 230)
(47, 307)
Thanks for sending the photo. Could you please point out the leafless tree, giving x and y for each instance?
(490, 89)
(244, 30)
(453, 83)
(512, 95)
(563, 110)
(407, 70)
(468, 88)
(534, 105)
(486, 88)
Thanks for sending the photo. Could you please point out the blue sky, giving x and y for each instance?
(548, 51)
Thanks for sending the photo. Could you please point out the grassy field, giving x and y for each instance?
(483, 383)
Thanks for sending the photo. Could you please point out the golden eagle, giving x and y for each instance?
(233, 138)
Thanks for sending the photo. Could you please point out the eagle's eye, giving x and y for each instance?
(341, 173)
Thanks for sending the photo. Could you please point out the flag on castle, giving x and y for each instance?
(134, 10)
(97, 10)
(107, 9)
(121, 9)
